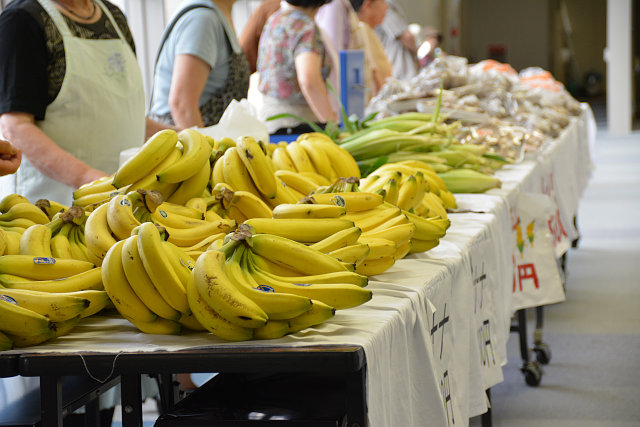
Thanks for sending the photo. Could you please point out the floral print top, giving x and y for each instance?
(287, 33)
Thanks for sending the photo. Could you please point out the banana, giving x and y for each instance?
(338, 240)
(337, 277)
(249, 205)
(42, 268)
(191, 322)
(25, 211)
(316, 178)
(276, 305)
(294, 255)
(99, 185)
(190, 236)
(12, 242)
(6, 343)
(396, 220)
(319, 313)
(419, 245)
(141, 283)
(36, 241)
(17, 225)
(211, 320)
(402, 250)
(195, 153)
(98, 300)
(308, 210)
(297, 181)
(272, 267)
(181, 210)
(10, 200)
(57, 329)
(150, 182)
(3, 241)
(217, 174)
(341, 161)
(180, 262)
(352, 254)
(301, 230)
(175, 220)
(392, 191)
(50, 208)
(152, 152)
(378, 247)
(352, 201)
(192, 186)
(20, 321)
(236, 174)
(78, 248)
(372, 267)
(157, 266)
(57, 307)
(197, 203)
(319, 160)
(258, 165)
(407, 194)
(283, 195)
(448, 199)
(398, 233)
(158, 326)
(87, 280)
(299, 157)
(204, 243)
(435, 205)
(272, 330)
(91, 201)
(369, 220)
(281, 160)
(119, 289)
(97, 233)
(338, 295)
(428, 228)
(223, 297)
(120, 216)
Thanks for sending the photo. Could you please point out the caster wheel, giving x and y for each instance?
(532, 374)
(543, 353)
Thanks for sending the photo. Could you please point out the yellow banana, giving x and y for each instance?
(408, 194)
(428, 228)
(12, 242)
(158, 267)
(120, 216)
(342, 162)
(50, 207)
(340, 239)
(368, 220)
(119, 289)
(294, 255)
(10, 200)
(352, 201)
(175, 220)
(197, 203)
(297, 181)
(272, 330)
(99, 185)
(319, 160)
(36, 241)
(58, 329)
(6, 343)
(98, 301)
(352, 254)
(378, 247)
(402, 250)
(180, 262)
(308, 210)
(25, 211)
(435, 205)
(317, 314)
(97, 233)
(20, 321)
(236, 174)
(152, 152)
(258, 165)
(301, 230)
(392, 192)
(283, 195)
(272, 267)
(448, 199)
(57, 307)
(316, 178)
(250, 205)
(181, 210)
(192, 186)
(158, 326)
(150, 182)
(191, 322)
(398, 233)
(78, 248)
(337, 277)
(374, 267)
(281, 160)
(418, 245)
(195, 153)
(211, 320)
(42, 268)
(87, 280)
(217, 174)
(223, 297)
(184, 237)
(299, 157)
(141, 283)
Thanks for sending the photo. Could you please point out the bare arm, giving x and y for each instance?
(153, 127)
(187, 84)
(313, 86)
(44, 153)
(10, 158)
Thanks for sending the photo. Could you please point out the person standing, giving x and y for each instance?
(75, 101)
(398, 42)
(201, 67)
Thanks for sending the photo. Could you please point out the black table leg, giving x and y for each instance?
(131, 400)
(486, 417)
(51, 401)
(92, 413)
(357, 399)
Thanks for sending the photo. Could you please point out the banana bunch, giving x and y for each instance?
(413, 186)
(237, 205)
(146, 278)
(16, 215)
(265, 286)
(316, 157)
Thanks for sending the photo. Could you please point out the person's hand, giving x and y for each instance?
(10, 158)
(408, 41)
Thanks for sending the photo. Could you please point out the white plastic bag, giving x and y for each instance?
(239, 119)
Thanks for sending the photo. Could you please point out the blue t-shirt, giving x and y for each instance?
(201, 32)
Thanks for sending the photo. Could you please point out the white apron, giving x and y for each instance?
(99, 111)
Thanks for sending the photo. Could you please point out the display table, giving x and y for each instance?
(424, 350)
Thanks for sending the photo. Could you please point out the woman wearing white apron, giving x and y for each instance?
(98, 111)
